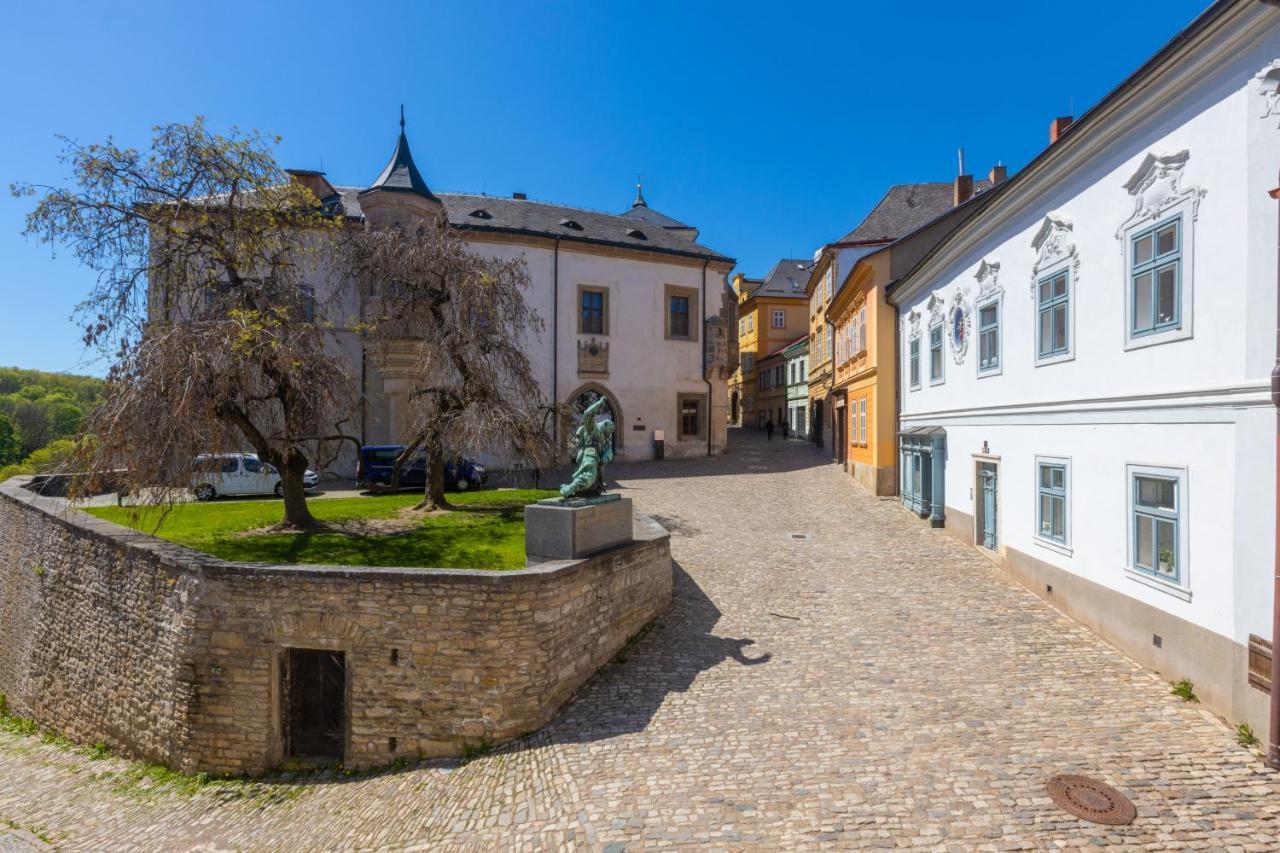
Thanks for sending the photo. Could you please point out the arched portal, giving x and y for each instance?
(590, 393)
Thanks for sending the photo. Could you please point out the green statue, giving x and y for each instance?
(592, 450)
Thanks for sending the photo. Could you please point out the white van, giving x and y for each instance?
(239, 474)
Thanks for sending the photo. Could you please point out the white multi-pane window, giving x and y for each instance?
(936, 376)
(1157, 524)
(779, 318)
(1053, 485)
(913, 361)
(1155, 279)
(989, 338)
(862, 421)
(1053, 325)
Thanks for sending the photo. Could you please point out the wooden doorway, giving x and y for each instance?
(315, 704)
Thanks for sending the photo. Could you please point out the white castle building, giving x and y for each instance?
(636, 310)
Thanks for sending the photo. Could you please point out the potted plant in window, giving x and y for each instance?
(1166, 561)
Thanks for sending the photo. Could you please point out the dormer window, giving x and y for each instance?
(569, 223)
(480, 213)
(636, 233)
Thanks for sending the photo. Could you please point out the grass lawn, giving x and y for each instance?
(486, 531)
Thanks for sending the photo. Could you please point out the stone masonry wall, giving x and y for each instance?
(94, 627)
(174, 656)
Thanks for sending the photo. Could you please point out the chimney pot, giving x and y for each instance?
(998, 174)
(1058, 127)
(520, 196)
(963, 189)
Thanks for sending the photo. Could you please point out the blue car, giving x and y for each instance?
(378, 460)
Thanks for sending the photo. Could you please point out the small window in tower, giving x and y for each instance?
(481, 213)
(569, 223)
(636, 233)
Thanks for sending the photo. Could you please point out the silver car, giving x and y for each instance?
(240, 474)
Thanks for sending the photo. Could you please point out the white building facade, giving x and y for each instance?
(1085, 363)
(635, 310)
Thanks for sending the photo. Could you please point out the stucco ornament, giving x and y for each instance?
(592, 450)
(960, 320)
(937, 308)
(913, 324)
(1054, 243)
(988, 276)
(1269, 87)
(1157, 188)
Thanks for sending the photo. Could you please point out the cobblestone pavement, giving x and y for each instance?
(881, 685)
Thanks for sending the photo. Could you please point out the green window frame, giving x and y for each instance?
(1155, 278)
(1156, 523)
(989, 336)
(1051, 503)
(913, 359)
(936, 375)
(1053, 315)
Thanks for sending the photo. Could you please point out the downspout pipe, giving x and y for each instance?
(1273, 740)
(555, 338)
(705, 377)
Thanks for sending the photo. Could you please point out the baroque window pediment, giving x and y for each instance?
(913, 323)
(1269, 88)
(937, 308)
(1054, 243)
(988, 277)
(1157, 187)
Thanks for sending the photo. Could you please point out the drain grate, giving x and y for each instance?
(800, 537)
(1091, 800)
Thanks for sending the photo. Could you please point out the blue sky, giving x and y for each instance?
(773, 127)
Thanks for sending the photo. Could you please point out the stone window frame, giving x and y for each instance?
(695, 314)
(604, 291)
(701, 400)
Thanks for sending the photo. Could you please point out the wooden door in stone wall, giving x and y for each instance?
(315, 703)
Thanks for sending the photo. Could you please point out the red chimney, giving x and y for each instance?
(1058, 127)
(998, 173)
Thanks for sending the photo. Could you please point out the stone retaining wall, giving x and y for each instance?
(173, 656)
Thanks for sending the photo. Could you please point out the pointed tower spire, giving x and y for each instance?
(639, 202)
(401, 173)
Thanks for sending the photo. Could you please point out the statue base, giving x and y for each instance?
(554, 530)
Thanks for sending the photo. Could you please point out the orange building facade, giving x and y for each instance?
(865, 375)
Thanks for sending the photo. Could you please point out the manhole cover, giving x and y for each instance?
(1092, 800)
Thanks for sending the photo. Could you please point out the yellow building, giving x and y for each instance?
(771, 314)
(903, 209)
(863, 324)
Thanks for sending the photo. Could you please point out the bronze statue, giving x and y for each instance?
(593, 449)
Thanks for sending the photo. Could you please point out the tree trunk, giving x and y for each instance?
(434, 498)
(296, 513)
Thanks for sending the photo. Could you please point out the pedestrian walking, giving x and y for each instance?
(768, 429)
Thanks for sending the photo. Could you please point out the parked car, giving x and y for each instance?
(377, 462)
(240, 474)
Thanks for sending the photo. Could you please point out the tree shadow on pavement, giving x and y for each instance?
(624, 696)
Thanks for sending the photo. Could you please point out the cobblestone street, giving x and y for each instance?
(877, 685)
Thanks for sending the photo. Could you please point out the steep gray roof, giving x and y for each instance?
(644, 213)
(906, 207)
(400, 173)
(520, 216)
(787, 278)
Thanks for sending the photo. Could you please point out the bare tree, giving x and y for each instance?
(211, 300)
(461, 321)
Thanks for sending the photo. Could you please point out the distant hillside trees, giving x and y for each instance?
(38, 411)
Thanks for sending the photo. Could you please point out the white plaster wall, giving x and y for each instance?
(1199, 403)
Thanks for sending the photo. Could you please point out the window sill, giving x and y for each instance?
(1155, 339)
(933, 382)
(1052, 545)
(1055, 359)
(992, 371)
(1179, 592)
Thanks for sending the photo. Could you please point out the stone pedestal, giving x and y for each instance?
(554, 531)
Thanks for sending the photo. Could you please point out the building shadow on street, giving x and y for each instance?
(624, 695)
